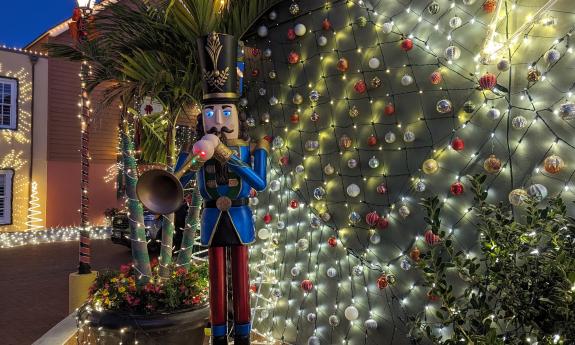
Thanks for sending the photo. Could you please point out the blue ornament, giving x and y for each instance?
(354, 217)
(319, 193)
(443, 106)
(314, 96)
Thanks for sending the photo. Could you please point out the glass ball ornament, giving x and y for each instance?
(435, 78)
(345, 142)
(273, 100)
(404, 211)
(314, 117)
(494, 113)
(267, 53)
(452, 53)
(353, 190)
(362, 21)
(552, 56)
(297, 99)
(315, 222)
(351, 313)
(251, 122)
(503, 65)
(469, 107)
(519, 122)
(430, 166)
(406, 80)
(325, 216)
(306, 285)
(273, 15)
(409, 136)
(313, 340)
(375, 82)
(405, 265)
(354, 217)
(553, 164)
(381, 188)
(433, 8)
(299, 169)
(302, 244)
(352, 163)
(353, 112)
(311, 317)
(533, 74)
(357, 270)
(314, 95)
(278, 142)
(281, 225)
(387, 27)
(390, 137)
(370, 324)
(254, 201)
(444, 106)
(420, 186)
(518, 196)
(293, 57)
(567, 111)
(382, 282)
(295, 271)
(272, 74)
(311, 145)
(264, 233)
(263, 31)
(373, 162)
(322, 41)
(373, 63)
(300, 29)
(342, 64)
(331, 272)
(276, 293)
(319, 193)
(328, 169)
(265, 118)
(326, 24)
(243, 102)
(275, 185)
(375, 238)
(333, 320)
(294, 8)
(492, 164)
(455, 22)
(537, 191)
(262, 91)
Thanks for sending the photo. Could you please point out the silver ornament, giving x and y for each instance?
(273, 100)
(267, 53)
(353, 190)
(493, 113)
(328, 169)
(263, 31)
(281, 225)
(297, 99)
(243, 102)
(272, 75)
(352, 163)
(420, 186)
(264, 233)
(373, 63)
(311, 317)
(321, 41)
(313, 340)
(567, 111)
(302, 244)
(404, 211)
(433, 8)
(387, 27)
(370, 324)
(251, 122)
(273, 15)
(455, 22)
(405, 265)
(503, 65)
(552, 56)
(300, 29)
(314, 95)
(351, 313)
(295, 271)
(275, 185)
(354, 217)
(311, 145)
(444, 106)
(278, 142)
(373, 162)
(389, 137)
(537, 191)
(254, 201)
(408, 136)
(375, 238)
(333, 320)
(315, 222)
(406, 80)
(319, 193)
(299, 169)
(331, 272)
(357, 270)
(262, 91)
(452, 53)
(519, 122)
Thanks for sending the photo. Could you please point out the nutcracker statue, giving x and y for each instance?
(227, 167)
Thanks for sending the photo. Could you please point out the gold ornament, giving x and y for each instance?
(553, 164)
(492, 165)
(430, 166)
(518, 196)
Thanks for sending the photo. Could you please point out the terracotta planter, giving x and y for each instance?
(110, 327)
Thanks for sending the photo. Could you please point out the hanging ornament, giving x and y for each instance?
(492, 164)
(314, 95)
(254, 201)
(537, 191)
(360, 86)
(372, 218)
(567, 111)
(267, 218)
(387, 27)
(382, 223)
(319, 193)
(373, 63)
(373, 162)
(533, 75)
(457, 144)
(353, 190)
(353, 112)
(452, 53)
(518, 196)
(294, 9)
(370, 324)
(293, 57)
(331, 272)
(291, 34)
(488, 81)
(262, 91)
(297, 99)
(375, 82)
(414, 254)
(404, 211)
(332, 242)
(552, 56)
(311, 145)
(322, 41)
(302, 244)
(351, 313)
(469, 107)
(405, 265)
(420, 186)
(494, 113)
(272, 75)
(313, 340)
(431, 238)
(362, 22)
(342, 64)
(264, 233)
(255, 73)
(435, 78)
(294, 118)
(519, 122)
(382, 282)
(345, 142)
(311, 317)
(251, 122)
(406, 80)
(281, 225)
(352, 163)
(326, 24)
(333, 320)
(306, 285)
(293, 204)
(455, 22)
(284, 160)
(443, 106)
(328, 169)
(314, 116)
(263, 31)
(430, 166)
(553, 164)
(456, 188)
(354, 217)
(300, 29)
(381, 188)
(275, 185)
(389, 137)
(375, 238)
(273, 15)
(372, 140)
(503, 65)
(407, 44)
(295, 271)
(408, 136)
(489, 6)
(389, 109)
(433, 8)
(277, 142)
(267, 53)
(315, 222)
(265, 118)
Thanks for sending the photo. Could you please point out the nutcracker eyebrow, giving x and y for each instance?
(209, 107)
(227, 106)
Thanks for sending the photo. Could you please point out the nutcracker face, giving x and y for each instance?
(221, 120)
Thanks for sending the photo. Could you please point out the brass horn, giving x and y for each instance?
(161, 191)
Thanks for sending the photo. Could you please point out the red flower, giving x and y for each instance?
(125, 269)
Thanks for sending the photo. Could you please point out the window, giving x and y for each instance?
(8, 103)
(6, 196)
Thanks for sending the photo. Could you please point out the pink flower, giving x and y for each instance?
(125, 269)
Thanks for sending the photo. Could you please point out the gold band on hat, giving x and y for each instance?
(232, 95)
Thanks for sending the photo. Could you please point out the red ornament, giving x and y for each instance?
(435, 78)
(267, 218)
(294, 118)
(382, 188)
(431, 238)
(389, 109)
(360, 86)
(255, 72)
(372, 140)
(457, 144)
(489, 6)
(293, 57)
(456, 188)
(342, 64)
(306, 285)
(253, 193)
(414, 254)
(382, 223)
(382, 282)
(284, 160)
(432, 297)
(254, 288)
(371, 218)
(291, 34)
(326, 24)
(332, 242)
(407, 44)
(255, 51)
(293, 203)
(488, 81)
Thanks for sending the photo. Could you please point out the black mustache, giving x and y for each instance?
(224, 129)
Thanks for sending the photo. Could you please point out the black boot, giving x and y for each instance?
(221, 340)
(242, 340)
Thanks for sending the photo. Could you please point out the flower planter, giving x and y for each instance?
(111, 327)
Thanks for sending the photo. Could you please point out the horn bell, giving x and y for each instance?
(160, 191)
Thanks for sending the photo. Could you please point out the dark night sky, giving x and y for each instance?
(24, 20)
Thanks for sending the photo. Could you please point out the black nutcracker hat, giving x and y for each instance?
(218, 57)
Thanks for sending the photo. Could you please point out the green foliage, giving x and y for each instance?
(521, 285)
